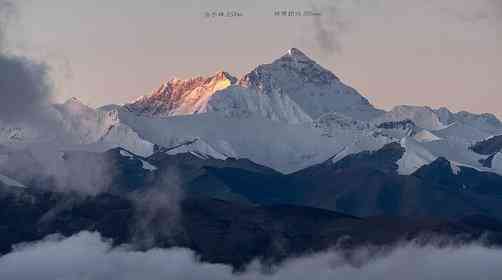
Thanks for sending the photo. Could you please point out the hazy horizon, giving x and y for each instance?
(434, 53)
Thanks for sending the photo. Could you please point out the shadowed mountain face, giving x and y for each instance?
(489, 146)
(233, 211)
(362, 184)
(220, 231)
(465, 179)
(367, 184)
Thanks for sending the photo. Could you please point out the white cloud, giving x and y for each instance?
(87, 256)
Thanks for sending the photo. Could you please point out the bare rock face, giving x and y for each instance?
(489, 146)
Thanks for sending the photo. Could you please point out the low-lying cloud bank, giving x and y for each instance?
(87, 256)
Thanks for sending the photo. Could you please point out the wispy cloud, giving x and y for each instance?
(329, 27)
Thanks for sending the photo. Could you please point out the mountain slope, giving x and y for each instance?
(423, 117)
(238, 102)
(368, 183)
(316, 90)
(488, 123)
(414, 157)
(181, 97)
(284, 147)
(488, 146)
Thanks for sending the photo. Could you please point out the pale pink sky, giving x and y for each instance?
(421, 52)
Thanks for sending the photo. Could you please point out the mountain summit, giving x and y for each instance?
(293, 89)
(297, 55)
(182, 97)
(294, 63)
(315, 89)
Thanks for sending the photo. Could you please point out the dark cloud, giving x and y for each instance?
(87, 256)
(25, 90)
(25, 86)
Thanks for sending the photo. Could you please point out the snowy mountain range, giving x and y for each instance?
(292, 89)
(284, 161)
(288, 115)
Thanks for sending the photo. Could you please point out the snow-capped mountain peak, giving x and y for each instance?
(445, 116)
(422, 116)
(182, 97)
(316, 90)
(294, 52)
(297, 56)
(75, 106)
(224, 76)
(293, 88)
(294, 65)
(483, 121)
